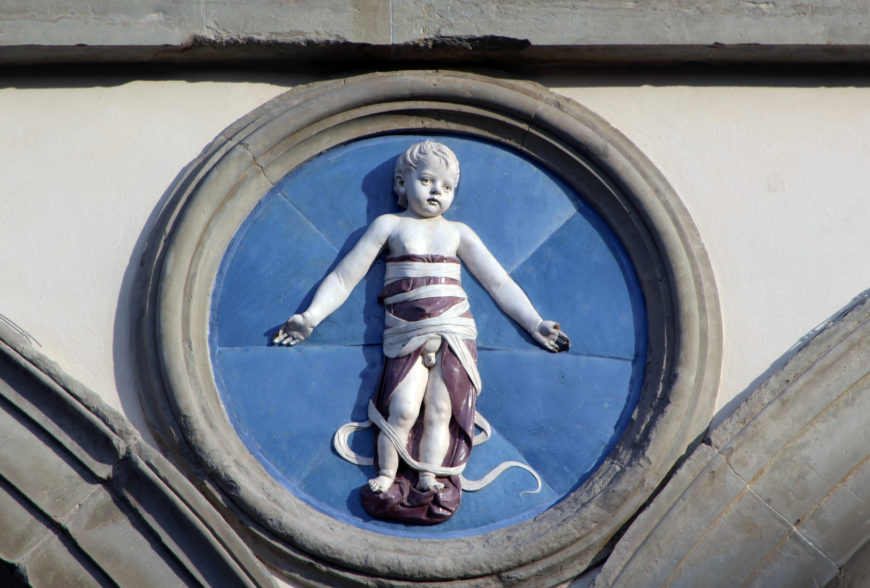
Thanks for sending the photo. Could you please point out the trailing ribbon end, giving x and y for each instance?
(342, 447)
(475, 485)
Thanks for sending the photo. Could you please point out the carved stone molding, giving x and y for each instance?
(215, 193)
(85, 502)
(778, 494)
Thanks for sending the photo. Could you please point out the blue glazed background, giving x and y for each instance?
(560, 413)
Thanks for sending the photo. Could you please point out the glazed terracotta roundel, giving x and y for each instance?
(559, 413)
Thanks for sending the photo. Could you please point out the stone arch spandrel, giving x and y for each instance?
(779, 494)
(85, 502)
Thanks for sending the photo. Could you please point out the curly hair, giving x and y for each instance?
(411, 158)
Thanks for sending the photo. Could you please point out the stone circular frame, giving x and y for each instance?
(212, 197)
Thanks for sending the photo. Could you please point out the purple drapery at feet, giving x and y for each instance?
(403, 502)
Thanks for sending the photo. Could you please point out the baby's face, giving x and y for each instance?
(430, 188)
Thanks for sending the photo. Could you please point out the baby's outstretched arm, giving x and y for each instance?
(337, 286)
(507, 293)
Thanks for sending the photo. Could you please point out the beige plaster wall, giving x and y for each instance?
(82, 169)
(776, 180)
(774, 176)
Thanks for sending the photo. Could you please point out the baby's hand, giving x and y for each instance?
(294, 331)
(550, 336)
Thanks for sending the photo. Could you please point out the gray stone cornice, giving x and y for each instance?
(567, 31)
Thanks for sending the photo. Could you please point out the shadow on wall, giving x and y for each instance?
(131, 290)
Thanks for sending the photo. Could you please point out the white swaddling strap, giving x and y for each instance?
(401, 337)
(431, 291)
(397, 270)
(342, 447)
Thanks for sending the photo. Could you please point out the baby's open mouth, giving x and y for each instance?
(432, 201)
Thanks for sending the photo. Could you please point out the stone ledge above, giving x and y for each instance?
(573, 32)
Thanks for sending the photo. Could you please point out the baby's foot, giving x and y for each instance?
(427, 482)
(381, 484)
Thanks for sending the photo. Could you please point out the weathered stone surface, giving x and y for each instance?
(716, 558)
(797, 449)
(157, 22)
(73, 481)
(834, 370)
(804, 469)
(840, 523)
(108, 535)
(717, 486)
(604, 22)
(40, 470)
(566, 32)
(856, 571)
(57, 563)
(794, 562)
(21, 529)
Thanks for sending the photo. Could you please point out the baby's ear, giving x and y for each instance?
(399, 189)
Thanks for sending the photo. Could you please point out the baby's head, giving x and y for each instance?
(430, 152)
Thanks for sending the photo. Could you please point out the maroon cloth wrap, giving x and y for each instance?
(402, 501)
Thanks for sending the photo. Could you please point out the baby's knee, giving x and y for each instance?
(403, 415)
(438, 412)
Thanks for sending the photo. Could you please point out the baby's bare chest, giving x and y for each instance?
(421, 238)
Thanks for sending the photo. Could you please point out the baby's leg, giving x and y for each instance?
(435, 440)
(404, 409)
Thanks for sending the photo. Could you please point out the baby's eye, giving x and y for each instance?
(424, 180)
(448, 187)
